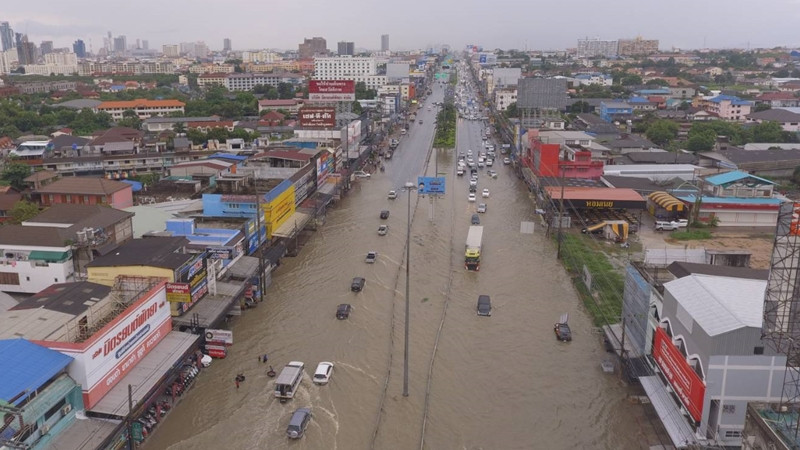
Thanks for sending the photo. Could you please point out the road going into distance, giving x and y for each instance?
(500, 382)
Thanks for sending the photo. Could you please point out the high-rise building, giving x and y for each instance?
(588, 48)
(384, 42)
(171, 50)
(120, 44)
(26, 51)
(108, 43)
(46, 47)
(79, 47)
(226, 45)
(346, 48)
(637, 46)
(6, 36)
(145, 44)
(311, 47)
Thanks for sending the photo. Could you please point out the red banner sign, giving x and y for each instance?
(317, 117)
(332, 90)
(683, 379)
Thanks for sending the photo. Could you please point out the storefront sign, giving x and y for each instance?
(683, 379)
(312, 117)
(220, 252)
(279, 210)
(324, 167)
(332, 90)
(224, 336)
(105, 358)
(178, 292)
(303, 184)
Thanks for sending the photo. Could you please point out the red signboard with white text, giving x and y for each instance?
(683, 379)
(313, 117)
(108, 355)
(332, 90)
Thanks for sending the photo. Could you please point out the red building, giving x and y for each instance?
(87, 191)
(556, 160)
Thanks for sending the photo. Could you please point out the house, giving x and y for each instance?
(778, 99)
(739, 184)
(613, 111)
(87, 191)
(116, 140)
(642, 104)
(788, 120)
(40, 178)
(67, 145)
(33, 258)
(770, 162)
(271, 119)
(8, 198)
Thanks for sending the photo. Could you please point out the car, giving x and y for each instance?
(489, 162)
(460, 172)
(680, 223)
(392, 195)
(382, 230)
(562, 331)
(473, 189)
(420, 121)
(473, 181)
(385, 214)
(484, 305)
(476, 220)
(298, 423)
(471, 197)
(485, 193)
(361, 174)
(506, 161)
(482, 208)
(480, 163)
(666, 226)
(358, 284)
(371, 257)
(491, 173)
(343, 311)
(323, 373)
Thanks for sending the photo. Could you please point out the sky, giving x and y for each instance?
(411, 24)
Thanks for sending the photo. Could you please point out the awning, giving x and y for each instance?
(274, 253)
(674, 421)
(666, 201)
(49, 256)
(144, 377)
(292, 225)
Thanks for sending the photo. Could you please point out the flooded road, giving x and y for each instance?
(500, 382)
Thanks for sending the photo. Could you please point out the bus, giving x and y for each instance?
(289, 380)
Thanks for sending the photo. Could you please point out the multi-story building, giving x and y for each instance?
(144, 108)
(212, 68)
(637, 46)
(311, 47)
(46, 86)
(171, 50)
(560, 154)
(79, 47)
(26, 51)
(33, 258)
(727, 107)
(8, 60)
(384, 42)
(346, 48)
(45, 47)
(247, 81)
(358, 69)
(503, 97)
(49, 69)
(260, 56)
(87, 191)
(59, 58)
(594, 78)
(126, 67)
(588, 48)
(6, 36)
(226, 45)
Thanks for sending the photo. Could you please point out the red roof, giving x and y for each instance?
(768, 96)
(140, 103)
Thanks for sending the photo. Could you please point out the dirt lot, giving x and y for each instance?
(758, 244)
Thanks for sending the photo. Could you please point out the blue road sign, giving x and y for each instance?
(430, 185)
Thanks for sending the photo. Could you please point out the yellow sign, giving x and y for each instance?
(279, 210)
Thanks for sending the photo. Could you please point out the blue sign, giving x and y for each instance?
(430, 185)
(482, 59)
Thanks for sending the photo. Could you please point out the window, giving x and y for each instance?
(733, 434)
(758, 350)
(728, 409)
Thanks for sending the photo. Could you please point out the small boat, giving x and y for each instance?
(271, 372)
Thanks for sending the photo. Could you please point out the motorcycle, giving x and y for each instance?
(383, 169)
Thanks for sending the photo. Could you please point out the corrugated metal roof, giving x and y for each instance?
(720, 304)
(732, 200)
(736, 175)
(27, 367)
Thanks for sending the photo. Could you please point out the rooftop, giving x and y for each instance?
(596, 193)
(733, 176)
(26, 368)
(731, 200)
(83, 186)
(775, 115)
(140, 103)
(67, 298)
(154, 252)
(720, 304)
(683, 269)
(18, 235)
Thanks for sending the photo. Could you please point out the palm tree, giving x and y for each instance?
(179, 128)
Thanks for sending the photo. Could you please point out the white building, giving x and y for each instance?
(63, 59)
(588, 48)
(261, 56)
(358, 69)
(8, 61)
(503, 97)
(144, 108)
(248, 81)
(33, 258)
(47, 69)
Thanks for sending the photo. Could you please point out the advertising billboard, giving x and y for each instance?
(111, 353)
(430, 185)
(324, 167)
(224, 336)
(332, 90)
(303, 184)
(683, 379)
(279, 209)
(314, 117)
(178, 292)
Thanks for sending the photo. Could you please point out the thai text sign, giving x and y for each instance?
(332, 90)
(311, 117)
(683, 379)
(430, 185)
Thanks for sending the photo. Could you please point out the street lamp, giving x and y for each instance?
(409, 186)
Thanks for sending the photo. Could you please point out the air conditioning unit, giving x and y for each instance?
(66, 409)
(45, 429)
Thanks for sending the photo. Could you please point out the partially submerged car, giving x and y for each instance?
(371, 257)
(358, 284)
(484, 305)
(343, 311)
(385, 214)
(561, 329)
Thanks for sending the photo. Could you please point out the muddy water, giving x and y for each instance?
(501, 382)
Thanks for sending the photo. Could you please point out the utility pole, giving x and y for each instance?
(560, 214)
(261, 283)
(409, 186)
(131, 444)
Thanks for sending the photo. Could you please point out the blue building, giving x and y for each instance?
(37, 397)
(219, 243)
(612, 111)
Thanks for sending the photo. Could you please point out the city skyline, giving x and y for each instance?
(683, 24)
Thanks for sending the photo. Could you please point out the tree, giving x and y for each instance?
(767, 132)
(362, 93)
(357, 109)
(23, 210)
(14, 173)
(512, 111)
(796, 176)
(579, 107)
(661, 132)
(701, 141)
(630, 79)
(179, 128)
(285, 90)
(762, 107)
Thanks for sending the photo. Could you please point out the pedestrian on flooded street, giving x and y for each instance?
(237, 382)
(264, 360)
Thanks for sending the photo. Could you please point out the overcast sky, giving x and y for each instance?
(411, 24)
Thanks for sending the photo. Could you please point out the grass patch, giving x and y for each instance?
(445, 127)
(690, 235)
(605, 302)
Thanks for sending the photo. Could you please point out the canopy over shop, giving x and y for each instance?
(591, 205)
(662, 204)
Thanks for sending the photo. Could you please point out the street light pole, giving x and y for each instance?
(409, 186)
